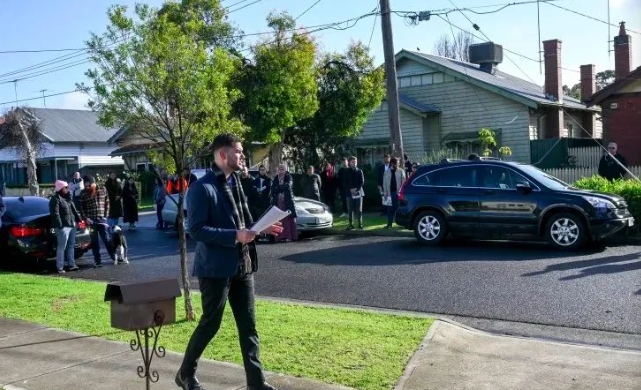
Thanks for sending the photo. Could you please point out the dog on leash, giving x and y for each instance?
(119, 243)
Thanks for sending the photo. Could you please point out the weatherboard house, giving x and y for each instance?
(445, 102)
(74, 142)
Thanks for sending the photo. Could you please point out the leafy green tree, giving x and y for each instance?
(603, 79)
(349, 88)
(157, 75)
(280, 87)
(487, 139)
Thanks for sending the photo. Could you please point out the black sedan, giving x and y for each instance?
(26, 233)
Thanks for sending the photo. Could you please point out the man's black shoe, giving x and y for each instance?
(190, 383)
(350, 227)
(264, 386)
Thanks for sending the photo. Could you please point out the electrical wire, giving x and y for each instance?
(307, 10)
(39, 97)
(592, 17)
(243, 7)
(371, 35)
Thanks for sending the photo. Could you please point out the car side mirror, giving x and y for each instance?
(523, 187)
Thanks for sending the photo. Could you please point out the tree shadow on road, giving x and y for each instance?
(408, 251)
(609, 268)
(598, 262)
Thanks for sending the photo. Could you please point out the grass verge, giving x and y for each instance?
(360, 349)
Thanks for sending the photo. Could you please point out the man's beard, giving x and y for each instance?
(236, 165)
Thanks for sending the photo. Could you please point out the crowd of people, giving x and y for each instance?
(99, 206)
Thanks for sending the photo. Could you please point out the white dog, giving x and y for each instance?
(119, 243)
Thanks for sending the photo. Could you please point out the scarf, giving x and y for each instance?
(236, 198)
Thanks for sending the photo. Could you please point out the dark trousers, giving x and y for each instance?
(343, 194)
(330, 200)
(355, 210)
(95, 231)
(391, 210)
(159, 207)
(214, 294)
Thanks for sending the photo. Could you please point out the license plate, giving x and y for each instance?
(631, 222)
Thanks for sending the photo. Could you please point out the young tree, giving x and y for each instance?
(487, 139)
(279, 88)
(20, 130)
(157, 75)
(349, 88)
(454, 47)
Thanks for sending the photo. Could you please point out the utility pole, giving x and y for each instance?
(15, 88)
(396, 136)
(44, 101)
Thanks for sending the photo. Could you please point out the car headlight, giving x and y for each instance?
(301, 211)
(599, 203)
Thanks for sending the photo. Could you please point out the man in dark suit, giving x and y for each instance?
(224, 261)
(612, 165)
(262, 186)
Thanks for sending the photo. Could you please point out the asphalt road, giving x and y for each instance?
(525, 289)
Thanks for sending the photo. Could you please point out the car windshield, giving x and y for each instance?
(545, 179)
(31, 206)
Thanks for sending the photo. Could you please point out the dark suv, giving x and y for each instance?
(491, 199)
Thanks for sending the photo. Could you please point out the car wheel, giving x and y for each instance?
(566, 231)
(430, 228)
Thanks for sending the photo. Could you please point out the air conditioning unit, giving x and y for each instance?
(486, 53)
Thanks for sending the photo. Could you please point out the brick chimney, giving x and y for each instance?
(622, 53)
(553, 87)
(553, 83)
(588, 81)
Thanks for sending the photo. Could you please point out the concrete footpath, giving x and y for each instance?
(452, 357)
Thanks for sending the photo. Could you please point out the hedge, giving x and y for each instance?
(630, 190)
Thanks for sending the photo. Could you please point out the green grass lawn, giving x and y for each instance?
(360, 349)
(371, 221)
(146, 204)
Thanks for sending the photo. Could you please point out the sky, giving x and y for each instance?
(67, 24)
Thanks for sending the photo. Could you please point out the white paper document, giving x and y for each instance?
(271, 216)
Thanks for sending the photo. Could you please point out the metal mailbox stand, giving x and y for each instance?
(144, 308)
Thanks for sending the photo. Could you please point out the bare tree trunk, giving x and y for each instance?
(275, 157)
(30, 161)
(184, 272)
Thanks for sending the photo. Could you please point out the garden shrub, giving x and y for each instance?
(630, 190)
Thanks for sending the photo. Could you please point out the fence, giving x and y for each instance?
(585, 156)
(572, 174)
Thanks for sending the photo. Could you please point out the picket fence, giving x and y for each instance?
(572, 174)
(586, 156)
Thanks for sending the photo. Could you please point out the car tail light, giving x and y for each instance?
(24, 231)
(401, 192)
(82, 225)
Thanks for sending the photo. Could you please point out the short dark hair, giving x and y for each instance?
(387, 155)
(225, 140)
(351, 158)
(393, 160)
(310, 167)
(473, 156)
(261, 166)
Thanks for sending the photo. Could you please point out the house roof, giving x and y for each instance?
(60, 125)
(413, 105)
(615, 87)
(136, 148)
(505, 84)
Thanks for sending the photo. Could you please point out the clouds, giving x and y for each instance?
(618, 3)
(74, 101)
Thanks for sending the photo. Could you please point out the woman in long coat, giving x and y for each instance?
(130, 198)
(283, 197)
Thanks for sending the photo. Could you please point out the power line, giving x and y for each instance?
(307, 10)
(592, 18)
(477, 28)
(244, 6)
(35, 51)
(47, 71)
(371, 35)
(38, 97)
